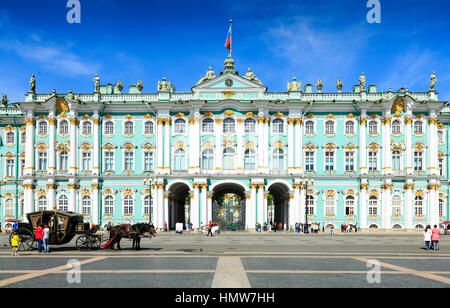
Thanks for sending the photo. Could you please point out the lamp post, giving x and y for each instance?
(149, 181)
(306, 230)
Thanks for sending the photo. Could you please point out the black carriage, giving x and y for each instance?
(64, 226)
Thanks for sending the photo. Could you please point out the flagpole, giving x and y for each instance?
(231, 37)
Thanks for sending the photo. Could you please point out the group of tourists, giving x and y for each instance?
(431, 237)
(349, 228)
(41, 235)
(269, 226)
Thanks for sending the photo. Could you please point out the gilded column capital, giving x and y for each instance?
(28, 186)
(290, 121)
(160, 186)
(96, 121)
(240, 121)
(261, 119)
(52, 121)
(386, 121)
(73, 186)
(253, 186)
(408, 186)
(74, 121)
(167, 121)
(386, 186)
(52, 186)
(408, 120)
(30, 121)
(364, 186)
(218, 121)
(95, 186)
(432, 121)
(363, 121)
(433, 187)
(298, 121)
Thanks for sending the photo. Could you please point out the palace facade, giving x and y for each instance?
(378, 159)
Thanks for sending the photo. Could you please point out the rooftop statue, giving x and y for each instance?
(32, 84)
(319, 85)
(209, 75)
(140, 86)
(96, 84)
(5, 100)
(70, 96)
(251, 76)
(339, 85)
(164, 86)
(119, 86)
(362, 81)
(433, 81)
(294, 86)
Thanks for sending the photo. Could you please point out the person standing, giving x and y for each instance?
(39, 234)
(435, 237)
(332, 231)
(427, 237)
(15, 244)
(46, 238)
(210, 225)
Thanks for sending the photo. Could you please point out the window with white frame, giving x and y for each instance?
(329, 161)
(63, 127)
(373, 206)
(228, 158)
(128, 161)
(86, 206)
(418, 206)
(441, 207)
(418, 161)
(179, 160)
(23, 137)
(309, 160)
(309, 127)
(249, 159)
(373, 127)
(63, 161)
(330, 206)
(396, 206)
(109, 205)
(10, 167)
(396, 127)
(148, 160)
(208, 125)
(22, 166)
(109, 128)
(350, 206)
(329, 127)
(278, 126)
(86, 128)
(109, 160)
(180, 126)
(42, 161)
(278, 160)
(42, 203)
(9, 208)
(128, 128)
(310, 205)
(63, 203)
(228, 125)
(148, 207)
(10, 138)
(349, 161)
(128, 205)
(418, 127)
(86, 161)
(441, 138)
(349, 128)
(42, 128)
(441, 166)
(373, 161)
(148, 128)
(250, 125)
(396, 160)
(207, 159)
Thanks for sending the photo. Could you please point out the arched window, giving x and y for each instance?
(228, 159)
(330, 206)
(63, 161)
(148, 128)
(278, 126)
(9, 208)
(373, 206)
(63, 127)
(207, 159)
(349, 128)
(128, 205)
(278, 159)
(350, 206)
(329, 127)
(396, 127)
(180, 160)
(180, 126)
(373, 127)
(42, 203)
(309, 127)
(128, 128)
(42, 128)
(396, 160)
(10, 138)
(109, 128)
(250, 125)
(86, 206)
(208, 125)
(228, 125)
(418, 206)
(418, 127)
(63, 203)
(310, 205)
(396, 206)
(86, 129)
(249, 159)
(147, 207)
(109, 205)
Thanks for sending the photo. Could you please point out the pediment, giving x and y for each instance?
(229, 82)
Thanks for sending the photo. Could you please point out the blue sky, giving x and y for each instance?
(147, 40)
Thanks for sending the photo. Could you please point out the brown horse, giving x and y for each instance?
(129, 231)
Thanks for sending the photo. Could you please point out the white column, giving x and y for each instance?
(386, 205)
(363, 144)
(291, 145)
(261, 144)
(159, 146)
(295, 205)
(363, 205)
(167, 146)
(28, 198)
(95, 204)
(265, 203)
(73, 155)
(194, 144)
(240, 145)
(408, 151)
(218, 133)
(51, 148)
(195, 218)
(29, 146)
(433, 142)
(302, 205)
(209, 196)
(386, 150)
(433, 204)
(166, 209)
(160, 206)
(73, 187)
(290, 215)
(298, 142)
(96, 148)
(409, 186)
(260, 204)
(251, 208)
(51, 195)
(266, 145)
(204, 204)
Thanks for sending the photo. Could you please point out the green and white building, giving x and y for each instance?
(229, 150)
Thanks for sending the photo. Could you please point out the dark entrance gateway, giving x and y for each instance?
(228, 207)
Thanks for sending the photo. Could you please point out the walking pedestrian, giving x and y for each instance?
(46, 238)
(39, 234)
(331, 230)
(210, 225)
(15, 240)
(435, 237)
(427, 237)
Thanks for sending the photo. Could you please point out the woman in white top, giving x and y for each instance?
(427, 236)
(46, 238)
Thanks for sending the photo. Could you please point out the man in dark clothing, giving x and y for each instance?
(210, 229)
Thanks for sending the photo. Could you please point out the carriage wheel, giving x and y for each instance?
(27, 241)
(96, 242)
(83, 242)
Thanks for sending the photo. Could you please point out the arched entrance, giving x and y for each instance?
(179, 204)
(228, 206)
(278, 204)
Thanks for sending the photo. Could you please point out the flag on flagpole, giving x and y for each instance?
(228, 40)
